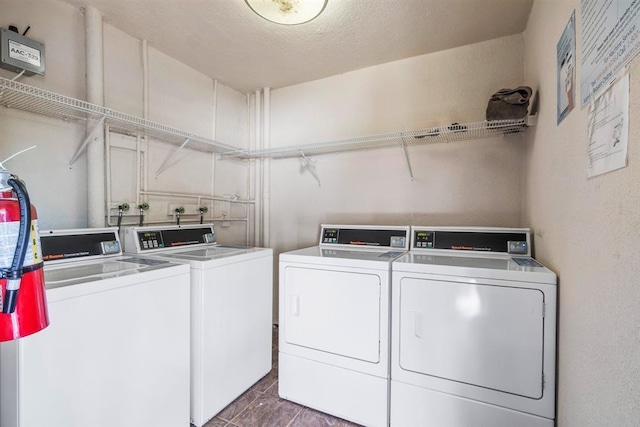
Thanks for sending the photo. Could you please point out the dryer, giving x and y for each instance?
(116, 352)
(231, 310)
(473, 331)
(334, 321)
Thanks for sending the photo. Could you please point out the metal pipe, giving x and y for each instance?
(96, 205)
(107, 173)
(145, 79)
(258, 174)
(250, 176)
(195, 196)
(266, 141)
(138, 169)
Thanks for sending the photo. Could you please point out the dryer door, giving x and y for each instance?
(333, 311)
(483, 335)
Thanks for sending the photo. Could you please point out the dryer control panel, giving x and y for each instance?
(515, 241)
(365, 236)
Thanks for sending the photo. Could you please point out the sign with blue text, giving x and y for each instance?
(610, 40)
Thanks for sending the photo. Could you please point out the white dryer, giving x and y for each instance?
(231, 310)
(473, 331)
(116, 352)
(334, 321)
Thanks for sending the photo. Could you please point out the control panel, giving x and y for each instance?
(423, 239)
(479, 239)
(151, 239)
(369, 236)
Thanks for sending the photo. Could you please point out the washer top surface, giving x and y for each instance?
(79, 256)
(78, 272)
(192, 243)
(210, 253)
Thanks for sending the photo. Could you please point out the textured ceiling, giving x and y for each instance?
(225, 40)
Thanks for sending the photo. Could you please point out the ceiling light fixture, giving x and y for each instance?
(287, 12)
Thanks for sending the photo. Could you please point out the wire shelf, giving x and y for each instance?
(449, 133)
(35, 100)
(29, 98)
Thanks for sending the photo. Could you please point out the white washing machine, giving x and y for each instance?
(334, 321)
(116, 352)
(473, 331)
(231, 310)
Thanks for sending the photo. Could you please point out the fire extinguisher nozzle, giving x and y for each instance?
(10, 301)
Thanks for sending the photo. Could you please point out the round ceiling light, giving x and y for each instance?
(287, 12)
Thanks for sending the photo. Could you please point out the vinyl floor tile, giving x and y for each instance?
(311, 418)
(238, 405)
(268, 411)
(260, 406)
(266, 381)
(216, 422)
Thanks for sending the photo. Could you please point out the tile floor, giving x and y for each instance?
(260, 406)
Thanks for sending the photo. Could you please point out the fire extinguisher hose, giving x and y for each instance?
(15, 272)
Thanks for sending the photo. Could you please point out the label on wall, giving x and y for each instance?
(24, 53)
(610, 40)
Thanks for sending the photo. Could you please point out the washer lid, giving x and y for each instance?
(83, 271)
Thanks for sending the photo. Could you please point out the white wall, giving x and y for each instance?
(585, 230)
(467, 182)
(476, 182)
(59, 193)
(178, 96)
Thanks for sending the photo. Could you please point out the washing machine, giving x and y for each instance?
(334, 321)
(473, 331)
(116, 352)
(231, 310)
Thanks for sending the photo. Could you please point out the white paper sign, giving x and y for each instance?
(609, 129)
(610, 40)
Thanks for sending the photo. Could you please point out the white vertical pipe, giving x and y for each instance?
(258, 174)
(145, 79)
(95, 95)
(266, 143)
(250, 178)
(214, 132)
(107, 144)
(142, 165)
(138, 170)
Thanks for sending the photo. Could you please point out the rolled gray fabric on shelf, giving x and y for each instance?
(509, 104)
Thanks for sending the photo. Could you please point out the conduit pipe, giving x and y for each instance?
(143, 165)
(266, 143)
(258, 173)
(96, 204)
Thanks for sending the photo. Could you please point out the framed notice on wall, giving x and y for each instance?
(610, 40)
(566, 85)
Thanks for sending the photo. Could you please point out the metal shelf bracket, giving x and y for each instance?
(309, 164)
(406, 155)
(169, 161)
(89, 137)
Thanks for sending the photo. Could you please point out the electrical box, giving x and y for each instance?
(21, 53)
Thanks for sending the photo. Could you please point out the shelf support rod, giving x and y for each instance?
(169, 161)
(82, 146)
(406, 155)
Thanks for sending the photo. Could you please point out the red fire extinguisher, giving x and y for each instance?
(23, 304)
